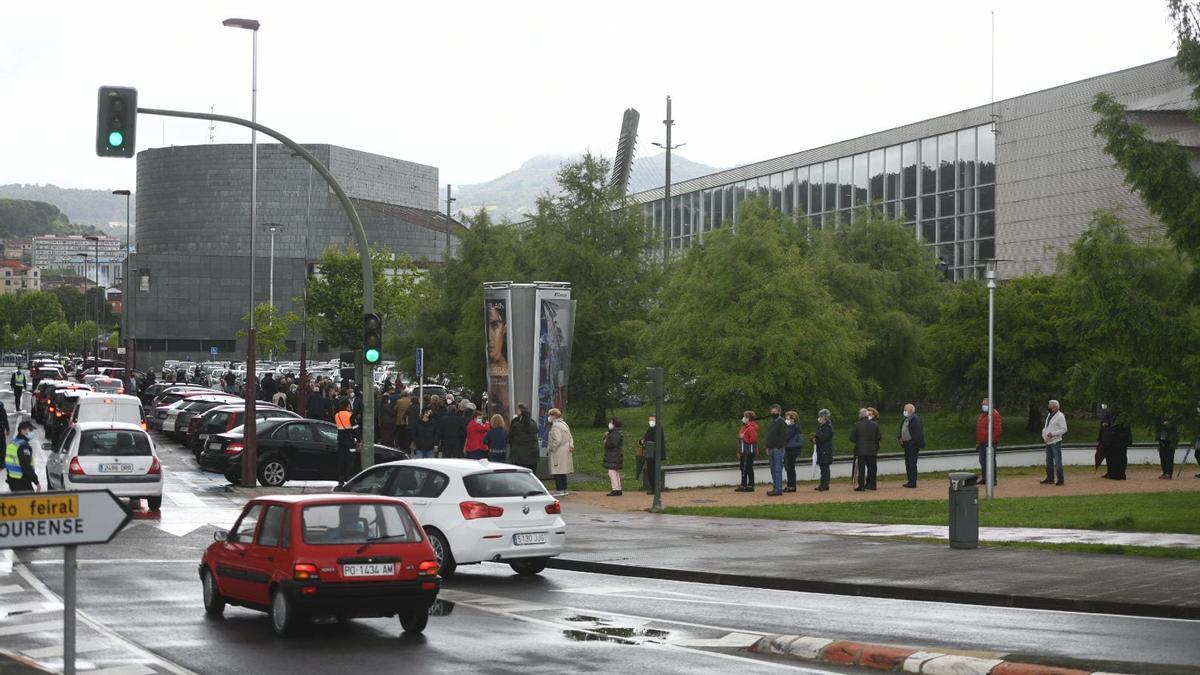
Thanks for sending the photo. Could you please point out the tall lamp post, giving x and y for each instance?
(99, 301)
(250, 451)
(302, 399)
(989, 469)
(272, 228)
(126, 294)
(668, 212)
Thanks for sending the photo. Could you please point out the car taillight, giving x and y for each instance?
(233, 448)
(305, 572)
(473, 510)
(429, 568)
(76, 469)
(144, 426)
(554, 508)
(155, 467)
(51, 408)
(58, 413)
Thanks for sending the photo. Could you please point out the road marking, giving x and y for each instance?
(131, 669)
(81, 647)
(28, 608)
(38, 627)
(12, 588)
(731, 640)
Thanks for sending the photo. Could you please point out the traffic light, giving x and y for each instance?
(116, 121)
(372, 338)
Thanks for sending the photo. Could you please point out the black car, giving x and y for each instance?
(223, 418)
(58, 416)
(288, 449)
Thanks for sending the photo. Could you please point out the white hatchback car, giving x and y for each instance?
(116, 456)
(474, 511)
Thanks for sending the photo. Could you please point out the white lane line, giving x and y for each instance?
(6, 561)
(81, 647)
(113, 636)
(21, 629)
(28, 608)
(732, 640)
(131, 669)
(12, 588)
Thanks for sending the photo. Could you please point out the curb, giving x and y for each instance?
(901, 659)
(881, 590)
(12, 662)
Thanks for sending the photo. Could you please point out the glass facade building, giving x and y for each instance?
(943, 188)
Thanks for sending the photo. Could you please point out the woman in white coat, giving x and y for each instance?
(562, 447)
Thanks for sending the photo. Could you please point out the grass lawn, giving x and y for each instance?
(1149, 512)
(717, 441)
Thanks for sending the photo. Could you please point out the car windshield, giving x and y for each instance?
(358, 523)
(114, 442)
(503, 484)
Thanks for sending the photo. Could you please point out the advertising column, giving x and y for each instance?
(555, 323)
(496, 306)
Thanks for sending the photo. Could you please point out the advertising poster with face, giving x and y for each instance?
(555, 323)
(499, 351)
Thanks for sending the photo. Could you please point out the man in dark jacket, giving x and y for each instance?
(776, 441)
(317, 406)
(1168, 438)
(912, 439)
(865, 436)
(823, 439)
(452, 433)
(1115, 440)
(651, 473)
(18, 460)
(523, 439)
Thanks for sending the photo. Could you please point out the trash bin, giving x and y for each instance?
(964, 510)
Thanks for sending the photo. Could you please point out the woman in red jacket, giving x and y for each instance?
(476, 430)
(747, 448)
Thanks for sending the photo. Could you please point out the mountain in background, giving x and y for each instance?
(99, 208)
(26, 218)
(515, 193)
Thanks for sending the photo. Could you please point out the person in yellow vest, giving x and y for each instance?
(345, 431)
(18, 461)
(17, 382)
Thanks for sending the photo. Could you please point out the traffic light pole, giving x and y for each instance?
(360, 238)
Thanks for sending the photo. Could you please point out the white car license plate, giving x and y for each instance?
(369, 570)
(116, 468)
(203, 438)
(530, 538)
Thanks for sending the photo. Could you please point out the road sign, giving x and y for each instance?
(420, 363)
(213, 350)
(38, 519)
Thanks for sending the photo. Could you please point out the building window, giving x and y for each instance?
(928, 165)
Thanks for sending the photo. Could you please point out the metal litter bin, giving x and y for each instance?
(964, 510)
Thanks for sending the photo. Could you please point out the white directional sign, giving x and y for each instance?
(60, 518)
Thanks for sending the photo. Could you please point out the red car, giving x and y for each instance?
(343, 555)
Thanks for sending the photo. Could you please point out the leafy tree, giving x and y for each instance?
(335, 304)
(590, 236)
(449, 326)
(56, 336)
(746, 319)
(1134, 323)
(270, 329)
(1160, 171)
(27, 337)
(114, 340)
(71, 301)
(83, 336)
(1032, 354)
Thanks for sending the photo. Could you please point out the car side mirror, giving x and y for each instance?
(47, 446)
(223, 535)
(341, 488)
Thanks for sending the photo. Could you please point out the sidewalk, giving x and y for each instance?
(788, 555)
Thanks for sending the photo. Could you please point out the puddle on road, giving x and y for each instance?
(614, 634)
(441, 608)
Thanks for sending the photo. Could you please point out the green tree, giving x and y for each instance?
(591, 236)
(83, 335)
(27, 337)
(270, 329)
(1135, 324)
(114, 340)
(56, 336)
(335, 304)
(1160, 171)
(746, 319)
(449, 326)
(1032, 354)
(71, 301)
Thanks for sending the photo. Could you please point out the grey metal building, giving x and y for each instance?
(1017, 180)
(191, 265)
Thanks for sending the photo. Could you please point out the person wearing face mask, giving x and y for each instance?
(614, 455)
(1115, 439)
(561, 449)
(747, 448)
(477, 429)
(1168, 438)
(651, 469)
(865, 436)
(1053, 430)
(912, 439)
(776, 441)
(823, 440)
(981, 438)
(792, 447)
(523, 439)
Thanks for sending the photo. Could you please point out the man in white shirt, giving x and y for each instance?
(1053, 431)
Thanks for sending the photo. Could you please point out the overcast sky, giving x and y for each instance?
(476, 88)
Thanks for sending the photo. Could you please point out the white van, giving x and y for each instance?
(99, 407)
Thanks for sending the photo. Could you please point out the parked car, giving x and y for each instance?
(161, 406)
(474, 510)
(288, 449)
(226, 418)
(115, 456)
(170, 422)
(300, 556)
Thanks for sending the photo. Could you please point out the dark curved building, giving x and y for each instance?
(191, 269)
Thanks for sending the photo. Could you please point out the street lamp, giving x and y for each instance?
(272, 228)
(96, 361)
(302, 399)
(250, 451)
(126, 295)
(989, 468)
(668, 212)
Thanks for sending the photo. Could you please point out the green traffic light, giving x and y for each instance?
(371, 355)
(116, 139)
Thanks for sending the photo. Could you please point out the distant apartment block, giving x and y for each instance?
(99, 260)
(19, 277)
